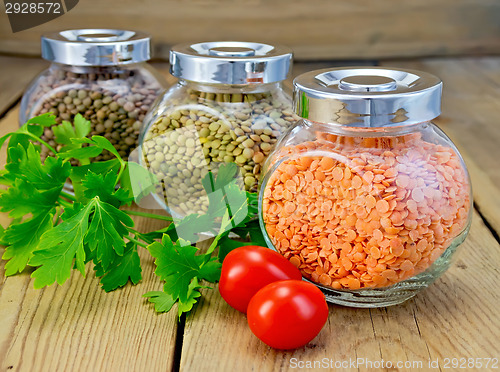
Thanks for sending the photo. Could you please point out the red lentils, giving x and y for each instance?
(376, 213)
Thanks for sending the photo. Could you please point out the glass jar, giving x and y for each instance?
(227, 107)
(365, 195)
(101, 74)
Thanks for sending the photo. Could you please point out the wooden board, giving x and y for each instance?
(440, 322)
(12, 84)
(315, 29)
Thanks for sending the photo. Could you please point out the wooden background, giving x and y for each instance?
(315, 29)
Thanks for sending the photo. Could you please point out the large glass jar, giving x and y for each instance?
(365, 195)
(228, 107)
(101, 74)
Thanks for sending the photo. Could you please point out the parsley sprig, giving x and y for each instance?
(55, 232)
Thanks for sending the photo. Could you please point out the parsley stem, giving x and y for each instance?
(68, 196)
(58, 216)
(64, 203)
(120, 172)
(38, 139)
(137, 242)
(149, 215)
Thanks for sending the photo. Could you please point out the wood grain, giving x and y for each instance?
(20, 72)
(455, 317)
(315, 29)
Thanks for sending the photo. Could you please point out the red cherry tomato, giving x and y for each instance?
(247, 269)
(287, 314)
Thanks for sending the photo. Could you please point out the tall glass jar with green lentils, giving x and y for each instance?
(101, 74)
(228, 107)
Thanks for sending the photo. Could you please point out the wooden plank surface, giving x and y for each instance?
(315, 29)
(18, 73)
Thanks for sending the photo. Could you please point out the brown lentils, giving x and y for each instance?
(115, 103)
(181, 146)
(382, 210)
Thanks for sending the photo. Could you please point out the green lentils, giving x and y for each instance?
(213, 128)
(115, 103)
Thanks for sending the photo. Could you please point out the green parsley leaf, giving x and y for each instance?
(226, 173)
(253, 204)
(176, 264)
(251, 231)
(79, 173)
(179, 265)
(101, 227)
(163, 301)
(123, 269)
(26, 164)
(32, 128)
(226, 196)
(58, 248)
(211, 270)
(103, 185)
(97, 144)
(150, 237)
(226, 245)
(106, 231)
(72, 211)
(65, 132)
(236, 202)
(24, 198)
(22, 239)
(104, 143)
(2, 234)
(40, 121)
(193, 293)
(80, 153)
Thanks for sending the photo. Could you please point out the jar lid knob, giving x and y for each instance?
(367, 83)
(231, 52)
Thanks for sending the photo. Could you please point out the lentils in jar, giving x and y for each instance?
(113, 94)
(365, 195)
(382, 214)
(200, 123)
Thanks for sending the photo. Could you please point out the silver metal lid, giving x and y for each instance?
(367, 97)
(96, 47)
(230, 62)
